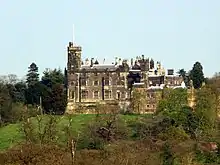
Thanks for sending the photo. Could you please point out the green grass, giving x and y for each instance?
(12, 135)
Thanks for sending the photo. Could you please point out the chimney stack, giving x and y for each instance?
(70, 44)
(119, 61)
(116, 60)
(87, 61)
(91, 65)
(132, 62)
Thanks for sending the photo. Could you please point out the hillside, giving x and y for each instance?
(12, 134)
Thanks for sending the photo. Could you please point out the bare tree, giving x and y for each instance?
(12, 79)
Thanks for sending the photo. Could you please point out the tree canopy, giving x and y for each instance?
(197, 75)
(54, 97)
(32, 93)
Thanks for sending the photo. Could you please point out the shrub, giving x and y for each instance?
(103, 130)
(174, 134)
(150, 127)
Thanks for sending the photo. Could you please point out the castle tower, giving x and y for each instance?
(74, 56)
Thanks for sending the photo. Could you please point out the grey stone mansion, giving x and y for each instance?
(90, 81)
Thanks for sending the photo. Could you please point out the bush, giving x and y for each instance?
(17, 112)
(36, 154)
(103, 130)
(150, 127)
(174, 134)
(44, 131)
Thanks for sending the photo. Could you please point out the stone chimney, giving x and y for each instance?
(132, 62)
(116, 60)
(91, 64)
(87, 61)
(119, 61)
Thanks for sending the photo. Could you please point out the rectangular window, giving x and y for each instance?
(118, 95)
(106, 81)
(83, 82)
(121, 81)
(72, 95)
(96, 94)
(108, 94)
(123, 94)
(85, 94)
(118, 82)
(126, 95)
(96, 83)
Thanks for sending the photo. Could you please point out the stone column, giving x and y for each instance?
(125, 79)
(68, 93)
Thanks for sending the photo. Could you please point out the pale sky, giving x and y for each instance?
(176, 32)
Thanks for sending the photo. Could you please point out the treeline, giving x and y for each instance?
(195, 75)
(36, 95)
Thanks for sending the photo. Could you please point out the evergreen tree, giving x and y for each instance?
(52, 77)
(54, 96)
(33, 91)
(59, 100)
(185, 76)
(32, 76)
(65, 79)
(197, 75)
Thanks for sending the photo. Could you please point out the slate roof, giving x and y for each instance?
(110, 67)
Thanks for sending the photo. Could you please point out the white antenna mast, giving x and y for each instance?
(73, 36)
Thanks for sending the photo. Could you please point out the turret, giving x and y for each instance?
(74, 56)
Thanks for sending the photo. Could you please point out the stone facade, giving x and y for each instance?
(91, 83)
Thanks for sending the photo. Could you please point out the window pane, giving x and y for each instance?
(84, 94)
(96, 83)
(96, 94)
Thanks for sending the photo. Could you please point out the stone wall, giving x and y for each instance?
(102, 107)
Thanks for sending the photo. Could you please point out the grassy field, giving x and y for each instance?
(12, 135)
